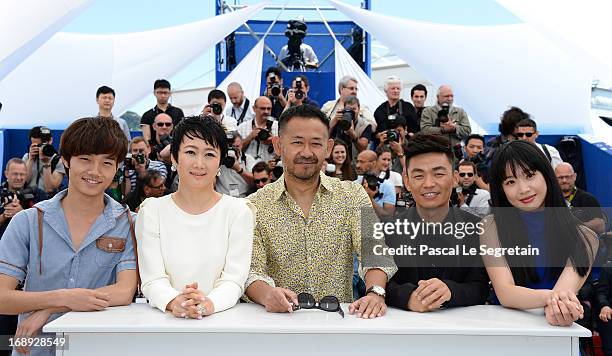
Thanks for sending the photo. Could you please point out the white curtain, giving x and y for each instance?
(490, 68)
(580, 28)
(247, 73)
(26, 24)
(57, 83)
(368, 92)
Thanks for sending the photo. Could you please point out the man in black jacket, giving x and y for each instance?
(444, 273)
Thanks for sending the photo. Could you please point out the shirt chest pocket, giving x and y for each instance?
(108, 250)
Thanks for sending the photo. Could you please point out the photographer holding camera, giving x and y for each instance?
(258, 132)
(137, 164)
(297, 55)
(395, 111)
(45, 169)
(235, 177)
(14, 195)
(298, 94)
(468, 193)
(474, 152)
(215, 108)
(275, 91)
(162, 127)
(350, 125)
(445, 118)
(241, 108)
(380, 190)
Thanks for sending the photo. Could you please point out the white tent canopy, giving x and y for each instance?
(58, 82)
(23, 29)
(369, 95)
(580, 28)
(490, 68)
(247, 73)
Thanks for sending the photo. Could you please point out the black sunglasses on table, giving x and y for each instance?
(328, 303)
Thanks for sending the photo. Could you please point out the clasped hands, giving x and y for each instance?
(191, 303)
(563, 308)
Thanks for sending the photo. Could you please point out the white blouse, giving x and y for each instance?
(213, 249)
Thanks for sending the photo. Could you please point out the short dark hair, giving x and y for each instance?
(216, 94)
(206, 128)
(418, 87)
(475, 137)
(161, 83)
(467, 163)
(382, 149)
(94, 136)
(151, 176)
(274, 70)
(510, 118)
(261, 167)
(351, 99)
(40, 132)
(303, 78)
(305, 111)
(426, 143)
(104, 90)
(528, 123)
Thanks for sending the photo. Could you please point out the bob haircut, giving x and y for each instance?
(205, 128)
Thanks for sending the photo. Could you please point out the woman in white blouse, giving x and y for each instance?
(195, 245)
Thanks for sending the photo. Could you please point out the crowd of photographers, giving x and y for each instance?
(368, 147)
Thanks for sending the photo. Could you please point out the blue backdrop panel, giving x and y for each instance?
(318, 37)
(597, 159)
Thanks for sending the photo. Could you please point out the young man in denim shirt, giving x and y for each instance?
(74, 251)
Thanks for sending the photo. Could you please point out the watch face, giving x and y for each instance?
(378, 290)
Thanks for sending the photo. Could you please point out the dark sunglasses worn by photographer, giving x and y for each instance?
(328, 303)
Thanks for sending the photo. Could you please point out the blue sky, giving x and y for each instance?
(119, 16)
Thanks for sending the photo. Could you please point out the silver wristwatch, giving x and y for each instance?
(378, 290)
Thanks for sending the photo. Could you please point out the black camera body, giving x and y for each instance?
(481, 161)
(263, 135)
(278, 170)
(372, 181)
(299, 93)
(230, 159)
(217, 109)
(458, 151)
(48, 150)
(443, 115)
(25, 196)
(348, 117)
(131, 160)
(164, 141)
(275, 88)
(392, 135)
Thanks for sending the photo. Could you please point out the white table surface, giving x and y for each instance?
(484, 320)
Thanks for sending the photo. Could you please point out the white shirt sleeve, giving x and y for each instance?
(309, 53)
(155, 281)
(229, 286)
(554, 155)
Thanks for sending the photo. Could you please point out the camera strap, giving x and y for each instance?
(132, 235)
(399, 108)
(244, 111)
(545, 149)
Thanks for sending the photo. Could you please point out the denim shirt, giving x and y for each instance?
(105, 251)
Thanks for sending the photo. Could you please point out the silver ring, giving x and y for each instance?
(201, 309)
